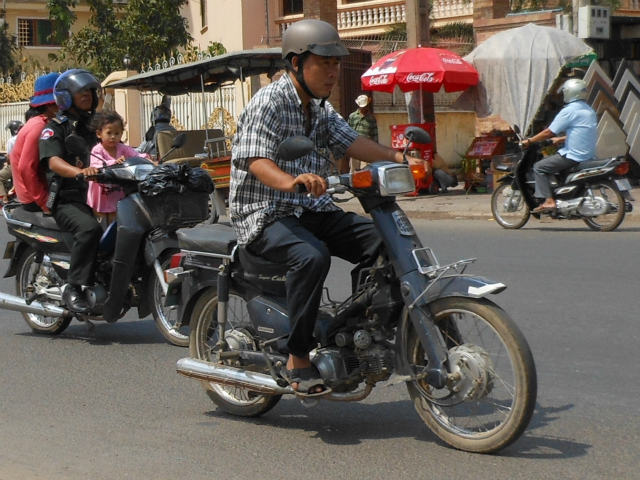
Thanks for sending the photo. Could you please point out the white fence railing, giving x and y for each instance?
(188, 108)
(8, 112)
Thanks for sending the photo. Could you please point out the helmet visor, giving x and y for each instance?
(332, 49)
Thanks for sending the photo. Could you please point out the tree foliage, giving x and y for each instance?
(7, 47)
(141, 29)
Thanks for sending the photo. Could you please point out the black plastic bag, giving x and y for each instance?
(176, 178)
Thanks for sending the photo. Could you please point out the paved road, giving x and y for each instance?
(108, 404)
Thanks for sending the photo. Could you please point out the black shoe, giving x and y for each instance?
(74, 299)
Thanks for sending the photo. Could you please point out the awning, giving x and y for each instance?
(212, 72)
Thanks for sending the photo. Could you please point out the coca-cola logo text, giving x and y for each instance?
(426, 77)
(452, 61)
(379, 80)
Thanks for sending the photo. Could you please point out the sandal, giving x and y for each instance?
(307, 379)
(541, 209)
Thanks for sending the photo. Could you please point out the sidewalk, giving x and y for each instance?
(457, 204)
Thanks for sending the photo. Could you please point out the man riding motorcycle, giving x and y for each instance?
(299, 230)
(580, 123)
(76, 93)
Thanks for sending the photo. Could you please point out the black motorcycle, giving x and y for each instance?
(468, 368)
(595, 191)
(132, 254)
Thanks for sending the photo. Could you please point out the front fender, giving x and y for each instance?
(461, 286)
(446, 286)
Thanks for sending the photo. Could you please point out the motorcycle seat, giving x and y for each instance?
(216, 238)
(35, 218)
(590, 164)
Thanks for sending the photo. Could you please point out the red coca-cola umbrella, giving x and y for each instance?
(421, 68)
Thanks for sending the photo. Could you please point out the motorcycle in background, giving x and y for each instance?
(595, 191)
(132, 253)
(468, 368)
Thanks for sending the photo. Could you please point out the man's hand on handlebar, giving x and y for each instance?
(314, 184)
(89, 172)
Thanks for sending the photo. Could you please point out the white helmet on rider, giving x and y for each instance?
(574, 89)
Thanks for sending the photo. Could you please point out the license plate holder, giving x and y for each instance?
(623, 184)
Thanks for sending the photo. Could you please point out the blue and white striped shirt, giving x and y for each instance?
(274, 114)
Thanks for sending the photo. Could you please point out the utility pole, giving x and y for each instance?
(417, 15)
(575, 5)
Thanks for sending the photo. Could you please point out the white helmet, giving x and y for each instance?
(574, 89)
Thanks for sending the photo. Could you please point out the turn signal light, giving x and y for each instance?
(622, 169)
(362, 179)
(176, 260)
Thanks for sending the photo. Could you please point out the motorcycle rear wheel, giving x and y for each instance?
(38, 323)
(496, 394)
(203, 337)
(508, 207)
(608, 221)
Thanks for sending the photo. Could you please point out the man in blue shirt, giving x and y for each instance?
(580, 124)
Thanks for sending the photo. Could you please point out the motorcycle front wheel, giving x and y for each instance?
(166, 318)
(491, 394)
(606, 192)
(29, 271)
(203, 338)
(508, 207)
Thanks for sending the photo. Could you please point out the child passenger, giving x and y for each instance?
(103, 199)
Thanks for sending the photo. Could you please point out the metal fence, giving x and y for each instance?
(192, 111)
(8, 112)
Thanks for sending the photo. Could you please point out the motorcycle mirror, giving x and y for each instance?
(179, 140)
(295, 147)
(417, 135)
(76, 145)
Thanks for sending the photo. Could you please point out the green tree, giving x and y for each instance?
(142, 29)
(8, 45)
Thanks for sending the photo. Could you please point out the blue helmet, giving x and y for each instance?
(71, 82)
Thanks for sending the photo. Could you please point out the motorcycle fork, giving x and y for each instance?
(400, 239)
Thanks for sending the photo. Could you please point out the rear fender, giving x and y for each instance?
(13, 251)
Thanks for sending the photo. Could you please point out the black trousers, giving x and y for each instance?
(78, 219)
(306, 245)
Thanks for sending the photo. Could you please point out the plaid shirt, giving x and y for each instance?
(274, 114)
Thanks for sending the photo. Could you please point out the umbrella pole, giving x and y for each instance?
(204, 113)
(421, 106)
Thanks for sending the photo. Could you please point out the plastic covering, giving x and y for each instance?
(175, 178)
(517, 68)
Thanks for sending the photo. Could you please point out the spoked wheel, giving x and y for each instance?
(609, 199)
(508, 207)
(490, 397)
(29, 271)
(166, 318)
(203, 338)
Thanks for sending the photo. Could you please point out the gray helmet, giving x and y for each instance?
(14, 126)
(71, 82)
(573, 89)
(314, 36)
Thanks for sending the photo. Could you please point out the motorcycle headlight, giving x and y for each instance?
(141, 171)
(395, 179)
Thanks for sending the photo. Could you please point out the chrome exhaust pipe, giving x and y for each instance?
(231, 376)
(19, 304)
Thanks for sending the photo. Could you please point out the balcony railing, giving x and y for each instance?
(382, 13)
(377, 14)
(451, 9)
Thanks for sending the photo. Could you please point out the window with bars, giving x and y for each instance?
(291, 7)
(36, 32)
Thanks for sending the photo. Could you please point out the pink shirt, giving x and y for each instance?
(28, 178)
(104, 198)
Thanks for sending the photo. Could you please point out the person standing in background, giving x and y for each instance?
(363, 122)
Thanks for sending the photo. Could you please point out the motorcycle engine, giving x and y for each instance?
(343, 369)
(591, 207)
